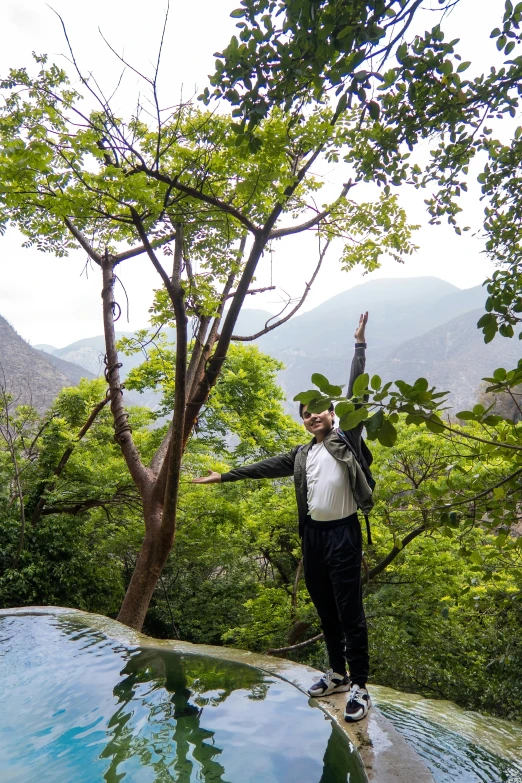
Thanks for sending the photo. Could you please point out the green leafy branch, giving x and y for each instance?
(378, 406)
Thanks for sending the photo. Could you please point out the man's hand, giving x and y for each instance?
(359, 332)
(212, 478)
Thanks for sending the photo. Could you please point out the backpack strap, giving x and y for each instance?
(367, 474)
(368, 531)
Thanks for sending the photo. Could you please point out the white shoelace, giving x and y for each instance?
(353, 693)
(327, 677)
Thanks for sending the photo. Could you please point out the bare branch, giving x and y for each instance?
(284, 232)
(463, 434)
(80, 238)
(177, 441)
(207, 375)
(200, 196)
(480, 495)
(308, 286)
(292, 647)
(381, 566)
(151, 254)
(136, 251)
(254, 291)
(392, 554)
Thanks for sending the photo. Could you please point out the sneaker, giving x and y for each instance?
(329, 683)
(358, 704)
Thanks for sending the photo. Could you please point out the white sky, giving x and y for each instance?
(48, 300)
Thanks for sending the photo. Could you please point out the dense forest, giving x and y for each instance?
(444, 614)
(97, 506)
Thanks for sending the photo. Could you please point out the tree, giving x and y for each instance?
(19, 433)
(68, 176)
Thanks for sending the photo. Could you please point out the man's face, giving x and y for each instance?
(318, 423)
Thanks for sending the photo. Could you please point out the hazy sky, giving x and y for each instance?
(50, 300)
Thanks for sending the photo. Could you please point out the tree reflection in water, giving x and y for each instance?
(158, 727)
(158, 722)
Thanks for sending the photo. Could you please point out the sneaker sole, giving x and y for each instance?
(339, 689)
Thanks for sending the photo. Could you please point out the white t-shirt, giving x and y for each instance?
(330, 494)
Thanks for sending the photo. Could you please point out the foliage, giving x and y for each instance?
(290, 54)
(245, 405)
(326, 47)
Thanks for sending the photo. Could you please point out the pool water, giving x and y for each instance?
(79, 706)
(451, 756)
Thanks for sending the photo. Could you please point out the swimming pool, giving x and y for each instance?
(78, 705)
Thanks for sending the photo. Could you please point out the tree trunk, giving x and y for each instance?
(149, 565)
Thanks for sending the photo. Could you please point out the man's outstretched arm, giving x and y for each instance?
(273, 467)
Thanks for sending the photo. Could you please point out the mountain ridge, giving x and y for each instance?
(402, 311)
(32, 376)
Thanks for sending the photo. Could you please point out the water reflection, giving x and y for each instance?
(82, 707)
(158, 719)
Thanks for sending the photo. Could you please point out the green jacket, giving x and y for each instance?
(293, 463)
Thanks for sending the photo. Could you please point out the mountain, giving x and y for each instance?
(87, 353)
(453, 357)
(32, 376)
(399, 310)
(320, 340)
(418, 326)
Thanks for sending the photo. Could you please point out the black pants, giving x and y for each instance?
(332, 556)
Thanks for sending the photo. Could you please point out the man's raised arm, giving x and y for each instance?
(359, 357)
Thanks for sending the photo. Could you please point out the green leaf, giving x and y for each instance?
(492, 420)
(421, 384)
(463, 66)
(434, 424)
(375, 382)
(403, 387)
(486, 320)
(325, 386)
(466, 416)
(360, 385)
(345, 31)
(374, 423)
(238, 13)
(319, 405)
(506, 330)
(387, 434)
(342, 408)
(374, 110)
(320, 380)
(445, 612)
(343, 102)
(499, 374)
(489, 334)
(352, 419)
(306, 396)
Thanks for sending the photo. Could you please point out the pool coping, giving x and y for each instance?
(385, 755)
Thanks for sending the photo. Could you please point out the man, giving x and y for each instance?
(330, 485)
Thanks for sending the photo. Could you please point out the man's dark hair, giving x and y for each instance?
(301, 406)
